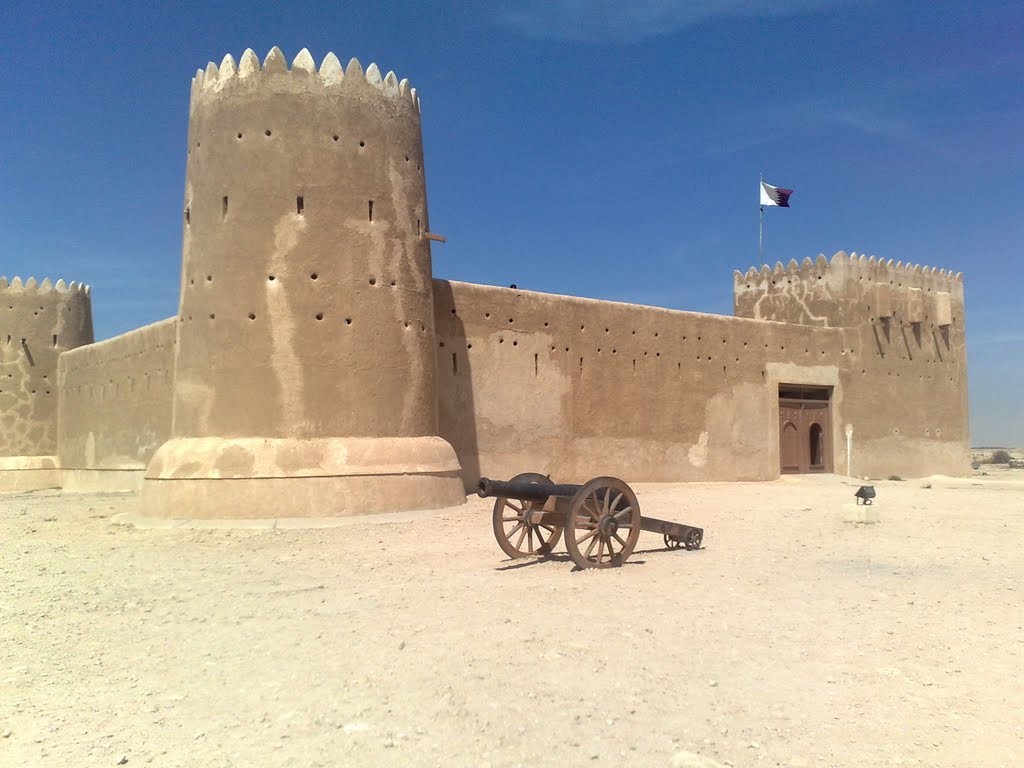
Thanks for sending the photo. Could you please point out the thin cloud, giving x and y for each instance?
(614, 21)
(734, 134)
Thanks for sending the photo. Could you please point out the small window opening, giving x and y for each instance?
(455, 362)
(536, 364)
(369, 205)
(224, 206)
(299, 205)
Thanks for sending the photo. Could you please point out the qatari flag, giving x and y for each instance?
(775, 195)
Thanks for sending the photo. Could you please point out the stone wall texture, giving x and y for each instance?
(576, 388)
(115, 407)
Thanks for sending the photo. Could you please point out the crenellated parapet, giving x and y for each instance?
(32, 286)
(860, 265)
(227, 78)
(847, 290)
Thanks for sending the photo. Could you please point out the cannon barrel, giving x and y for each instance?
(522, 490)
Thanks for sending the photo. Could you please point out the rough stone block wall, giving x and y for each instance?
(115, 407)
(38, 321)
(577, 388)
(906, 393)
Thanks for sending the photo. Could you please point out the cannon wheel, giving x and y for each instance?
(672, 543)
(693, 540)
(602, 524)
(516, 536)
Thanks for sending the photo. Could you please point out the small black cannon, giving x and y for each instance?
(601, 519)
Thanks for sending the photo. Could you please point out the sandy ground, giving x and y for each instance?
(791, 639)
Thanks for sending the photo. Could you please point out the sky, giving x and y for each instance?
(593, 148)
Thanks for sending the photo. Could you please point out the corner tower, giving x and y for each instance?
(305, 370)
(38, 321)
(902, 371)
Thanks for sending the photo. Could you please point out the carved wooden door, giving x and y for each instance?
(805, 429)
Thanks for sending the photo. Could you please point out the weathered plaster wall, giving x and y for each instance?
(115, 407)
(577, 388)
(907, 396)
(38, 321)
(305, 328)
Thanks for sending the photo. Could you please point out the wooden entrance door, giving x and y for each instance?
(805, 429)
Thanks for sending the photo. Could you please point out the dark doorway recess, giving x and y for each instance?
(805, 428)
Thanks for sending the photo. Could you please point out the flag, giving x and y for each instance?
(775, 195)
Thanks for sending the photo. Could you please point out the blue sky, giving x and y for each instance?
(594, 148)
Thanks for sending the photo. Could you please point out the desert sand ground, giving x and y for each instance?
(791, 639)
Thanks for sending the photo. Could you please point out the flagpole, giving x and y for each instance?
(760, 242)
(760, 239)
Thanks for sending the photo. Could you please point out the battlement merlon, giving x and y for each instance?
(847, 291)
(45, 287)
(861, 266)
(228, 78)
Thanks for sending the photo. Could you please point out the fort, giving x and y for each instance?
(316, 367)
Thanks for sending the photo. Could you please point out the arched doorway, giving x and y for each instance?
(805, 428)
(789, 447)
(817, 447)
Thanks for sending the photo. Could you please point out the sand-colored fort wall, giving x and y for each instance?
(38, 321)
(115, 408)
(906, 388)
(577, 388)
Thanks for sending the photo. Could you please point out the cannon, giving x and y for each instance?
(601, 519)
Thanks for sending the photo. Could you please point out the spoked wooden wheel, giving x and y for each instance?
(516, 535)
(603, 524)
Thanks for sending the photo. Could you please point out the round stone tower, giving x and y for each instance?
(38, 321)
(304, 377)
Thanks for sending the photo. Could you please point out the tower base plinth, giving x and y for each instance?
(28, 473)
(236, 478)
